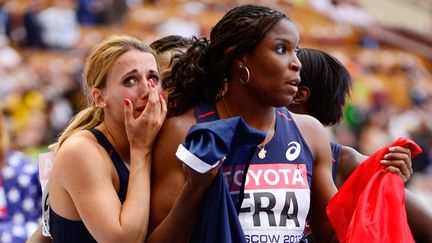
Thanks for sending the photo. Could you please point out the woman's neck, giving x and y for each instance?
(255, 116)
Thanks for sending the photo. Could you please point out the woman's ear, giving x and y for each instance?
(98, 98)
(302, 95)
(240, 61)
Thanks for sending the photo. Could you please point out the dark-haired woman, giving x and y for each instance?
(324, 87)
(248, 68)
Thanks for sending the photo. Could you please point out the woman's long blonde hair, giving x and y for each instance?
(97, 65)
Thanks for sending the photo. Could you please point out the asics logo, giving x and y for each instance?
(293, 151)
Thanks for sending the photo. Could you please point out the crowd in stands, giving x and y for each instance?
(43, 44)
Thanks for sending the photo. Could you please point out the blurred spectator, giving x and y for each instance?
(184, 23)
(60, 25)
(4, 18)
(32, 24)
(343, 134)
(134, 3)
(114, 11)
(178, 26)
(9, 61)
(373, 134)
(349, 12)
(20, 192)
(344, 11)
(90, 12)
(422, 134)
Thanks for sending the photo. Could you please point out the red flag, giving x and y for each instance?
(370, 207)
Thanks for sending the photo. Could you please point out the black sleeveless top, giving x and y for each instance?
(65, 230)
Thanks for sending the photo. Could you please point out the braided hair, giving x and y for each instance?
(200, 74)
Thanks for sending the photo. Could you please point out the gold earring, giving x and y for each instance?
(248, 75)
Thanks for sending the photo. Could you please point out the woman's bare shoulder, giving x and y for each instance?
(77, 150)
(181, 122)
(83, 141)
(304, 121)
(311, 129)
(172, 134)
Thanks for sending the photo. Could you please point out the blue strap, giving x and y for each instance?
(122, 170)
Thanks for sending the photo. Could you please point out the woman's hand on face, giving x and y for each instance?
(143, 130)
(398, 160)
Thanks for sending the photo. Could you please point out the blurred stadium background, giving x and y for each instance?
(385, 44)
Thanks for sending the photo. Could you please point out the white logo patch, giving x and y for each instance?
(293, 151)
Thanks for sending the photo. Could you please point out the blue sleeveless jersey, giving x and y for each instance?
(335, 148)
(274, 196)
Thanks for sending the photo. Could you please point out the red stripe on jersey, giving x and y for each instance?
(207, 114)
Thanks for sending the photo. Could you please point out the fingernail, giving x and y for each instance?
(126, 101)
(383, 161)
(152, 84)
(392, 148)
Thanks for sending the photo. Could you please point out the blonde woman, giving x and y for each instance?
(99, 186)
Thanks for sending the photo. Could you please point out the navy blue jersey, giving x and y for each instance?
(274, 196)
(65, 230)
(335, 148)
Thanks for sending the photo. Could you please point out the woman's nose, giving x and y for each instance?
(295, 65)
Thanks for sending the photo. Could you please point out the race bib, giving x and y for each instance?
(45, 165)
(276, 203)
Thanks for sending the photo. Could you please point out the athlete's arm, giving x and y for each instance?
(177, 191)
(323, 188)
(419, 218)
(37, 237)
(349, 159)
(397, 160)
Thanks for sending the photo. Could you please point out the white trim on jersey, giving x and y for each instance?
(193, 161)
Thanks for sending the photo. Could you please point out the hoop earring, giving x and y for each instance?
(248, 75)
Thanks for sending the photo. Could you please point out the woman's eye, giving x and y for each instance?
(280, 49)
(130, 81)
(155, 78)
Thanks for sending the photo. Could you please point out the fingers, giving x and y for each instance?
(399, 167)
(395, 170)
(128, 110)
(399, 152)
(398, 161)
(156, 106)
(164, 108)
(153, 100)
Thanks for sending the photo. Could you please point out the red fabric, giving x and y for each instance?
(370, 207)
